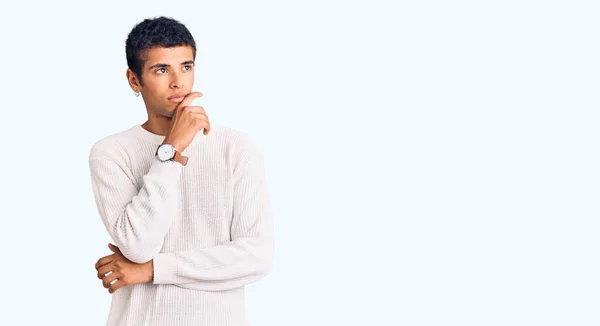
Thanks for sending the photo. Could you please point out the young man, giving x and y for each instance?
(185, 202)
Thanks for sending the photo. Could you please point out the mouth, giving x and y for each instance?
(176, 98)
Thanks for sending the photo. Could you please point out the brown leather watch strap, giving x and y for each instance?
(180, 158)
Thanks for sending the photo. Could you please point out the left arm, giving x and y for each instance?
(245, 259)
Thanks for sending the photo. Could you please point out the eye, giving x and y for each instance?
(161, 70)
(188, 67)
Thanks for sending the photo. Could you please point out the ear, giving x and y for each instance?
(133, 80)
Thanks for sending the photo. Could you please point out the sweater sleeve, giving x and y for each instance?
(137, 219)
(247, 257)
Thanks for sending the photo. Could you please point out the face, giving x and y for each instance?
(167, 75)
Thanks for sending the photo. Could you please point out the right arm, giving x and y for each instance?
(136, 219)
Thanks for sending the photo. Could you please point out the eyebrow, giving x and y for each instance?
(163, 65)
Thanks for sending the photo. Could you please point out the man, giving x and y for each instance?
(185, 203)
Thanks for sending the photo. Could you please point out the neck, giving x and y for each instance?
(159, 125)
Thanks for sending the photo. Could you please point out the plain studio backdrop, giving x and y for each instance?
(429, 162)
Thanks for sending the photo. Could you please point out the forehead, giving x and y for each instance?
(173, 56)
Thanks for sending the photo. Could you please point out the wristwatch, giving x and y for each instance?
(166, 152)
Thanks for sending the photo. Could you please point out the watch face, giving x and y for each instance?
(165, 152)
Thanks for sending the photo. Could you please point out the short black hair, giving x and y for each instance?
(152, 32)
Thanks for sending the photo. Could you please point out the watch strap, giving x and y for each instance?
(180, 158)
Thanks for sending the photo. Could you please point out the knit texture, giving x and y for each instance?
(207, 225)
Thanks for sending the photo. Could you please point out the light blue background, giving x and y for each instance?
(429, 162)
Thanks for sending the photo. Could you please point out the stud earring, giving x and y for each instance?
(137, 94)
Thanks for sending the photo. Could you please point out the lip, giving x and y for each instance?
(176, 98)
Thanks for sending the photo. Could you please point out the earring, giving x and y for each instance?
(137, 94)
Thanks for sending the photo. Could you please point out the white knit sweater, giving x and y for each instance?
(207, 225)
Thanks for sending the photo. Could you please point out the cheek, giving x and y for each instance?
(188, 87)
(155, 88)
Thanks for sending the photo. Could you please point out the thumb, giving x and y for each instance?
(113, 248)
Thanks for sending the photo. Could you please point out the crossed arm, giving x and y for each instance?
(138, 220)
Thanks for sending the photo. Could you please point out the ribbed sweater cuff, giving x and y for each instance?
(165, 268)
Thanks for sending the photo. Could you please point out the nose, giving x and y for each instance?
(176, 81)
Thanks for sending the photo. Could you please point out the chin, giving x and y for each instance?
(168, 112)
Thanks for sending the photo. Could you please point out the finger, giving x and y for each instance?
(187, 100)
(195, 109)
(113, 248)
(108, 279)
(105, 260)
(204, 121)
(115, 286)
(102, 271)
(200, 116)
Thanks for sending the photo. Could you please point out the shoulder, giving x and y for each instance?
(240, 145)
(236, 139)
(113, 146)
